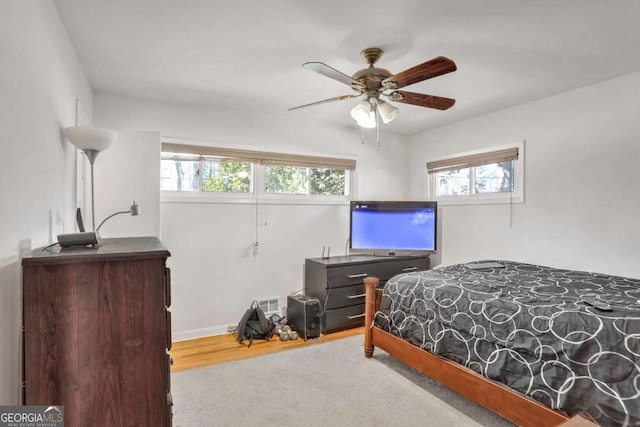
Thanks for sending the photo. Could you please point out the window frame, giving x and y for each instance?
(515, 196)
(258, 192)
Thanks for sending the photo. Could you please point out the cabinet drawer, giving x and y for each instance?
(349, 274)
(167, 287)
(169, 363)
(344, 318)
(354, 274)
(344, 296)
(389, 269)
(167, 315)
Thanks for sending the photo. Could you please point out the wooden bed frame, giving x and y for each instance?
(509, 404)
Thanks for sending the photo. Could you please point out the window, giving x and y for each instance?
(308, 181)
(204, 173)
(491, 176)
(226, 176)
(179, 173)
(200, 169)
(330, 182)
(286, 180)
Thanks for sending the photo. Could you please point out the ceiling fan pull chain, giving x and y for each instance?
(362, 135)
(377, 122)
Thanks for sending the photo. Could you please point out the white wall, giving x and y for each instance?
(128, 171)
(215, 272)
(40, 79)
(582, 182)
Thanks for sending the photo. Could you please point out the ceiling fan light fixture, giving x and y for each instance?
(362, 111)
(387, 111)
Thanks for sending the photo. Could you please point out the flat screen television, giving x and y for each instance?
(393, 228)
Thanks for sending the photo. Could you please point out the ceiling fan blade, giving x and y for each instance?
(432, 68)
(422, 100)
(332, 73)
(337, 98)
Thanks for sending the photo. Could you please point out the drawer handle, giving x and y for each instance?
(355, 276)
(410, 269)
(356, 296)
(355, 317)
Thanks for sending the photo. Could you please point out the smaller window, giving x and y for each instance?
(452, 183)
(180, 172)
(491, 176)
(285, 180)
(305, 181)
(328, 182)
(225, 176)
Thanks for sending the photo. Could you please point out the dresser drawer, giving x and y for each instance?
(354, 274)
(343, 318)
(168, 372)
(167, 316)
(344, 296)
(349, 274)
(167, 287)
(389, 269)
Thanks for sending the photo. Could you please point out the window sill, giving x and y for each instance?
(491, 199)
(250, 199)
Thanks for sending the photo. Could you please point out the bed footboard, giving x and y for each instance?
(373, 296)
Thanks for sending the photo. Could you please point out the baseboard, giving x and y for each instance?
(206, 332)
(199, 333)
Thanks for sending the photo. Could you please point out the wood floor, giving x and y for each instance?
(199, 352)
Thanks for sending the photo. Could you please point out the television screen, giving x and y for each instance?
(390, 228)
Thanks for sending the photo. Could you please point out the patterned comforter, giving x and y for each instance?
(568, 339)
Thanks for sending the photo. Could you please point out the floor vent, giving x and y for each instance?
(269, 306)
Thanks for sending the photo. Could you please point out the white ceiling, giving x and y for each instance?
(247, 55)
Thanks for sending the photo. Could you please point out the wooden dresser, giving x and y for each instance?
(97, 331)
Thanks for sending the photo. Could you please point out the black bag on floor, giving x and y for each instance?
(255, 325)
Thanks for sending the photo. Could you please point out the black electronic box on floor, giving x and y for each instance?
(303, 315)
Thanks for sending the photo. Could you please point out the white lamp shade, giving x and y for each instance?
(90, 138)
(387, 111)
(364, 114)
(362, 111)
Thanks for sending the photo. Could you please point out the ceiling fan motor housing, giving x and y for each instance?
(371, 77)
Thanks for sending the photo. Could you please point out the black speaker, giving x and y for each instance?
(303, 315)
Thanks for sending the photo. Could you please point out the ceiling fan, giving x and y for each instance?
(372, 83)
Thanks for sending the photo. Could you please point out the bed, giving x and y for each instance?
(534, 344)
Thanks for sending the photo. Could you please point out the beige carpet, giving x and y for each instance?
(331, 384)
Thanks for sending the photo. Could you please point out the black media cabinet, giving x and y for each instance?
(338, 283)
